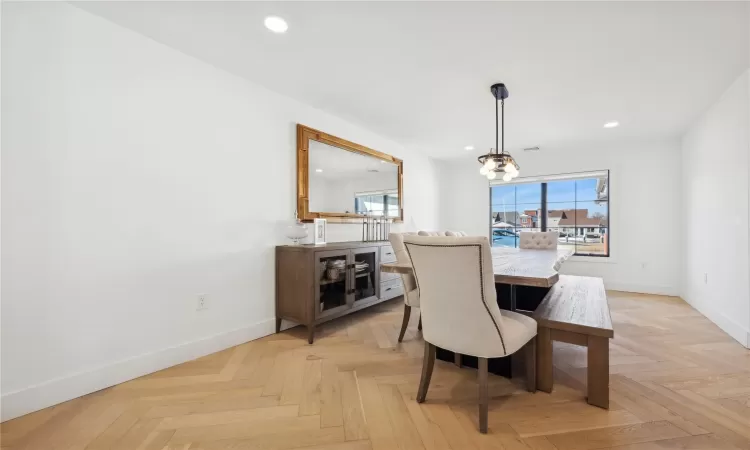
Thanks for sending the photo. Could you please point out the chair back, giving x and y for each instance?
(456, 233)
(431, 233)
(411, 295)
(539, 240)
(456, 286)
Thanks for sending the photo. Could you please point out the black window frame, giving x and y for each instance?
(544, 180)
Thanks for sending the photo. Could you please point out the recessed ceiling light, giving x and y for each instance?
(318, 170)
(276, 24)
(611, 124)
(469, 148)
(382, 162)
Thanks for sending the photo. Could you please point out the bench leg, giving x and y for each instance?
(598, 371)
(544, 360)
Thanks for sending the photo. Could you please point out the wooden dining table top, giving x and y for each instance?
(521, 267)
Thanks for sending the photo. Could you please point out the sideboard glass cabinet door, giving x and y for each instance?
(332, 283)
(366, 274)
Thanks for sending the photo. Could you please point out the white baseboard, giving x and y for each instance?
(726, 323)
(53, 392)
(642, 288)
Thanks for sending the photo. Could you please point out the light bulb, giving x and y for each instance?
(483, 171)
(514, 174)
(489, 164)
(509, 167)
(491, 175)
(507, 177)
(514, 170)
(276, 24)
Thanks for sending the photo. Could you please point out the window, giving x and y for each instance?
(377, 203)
(575, 205)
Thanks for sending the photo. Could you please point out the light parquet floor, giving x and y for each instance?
(677, 382)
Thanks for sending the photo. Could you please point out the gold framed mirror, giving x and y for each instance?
(341, 181)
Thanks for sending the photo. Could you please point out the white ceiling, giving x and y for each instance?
(419, 72)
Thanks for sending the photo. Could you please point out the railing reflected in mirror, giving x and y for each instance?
(343, 181)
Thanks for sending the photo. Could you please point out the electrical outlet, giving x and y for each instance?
(202, 302)
(705, 278)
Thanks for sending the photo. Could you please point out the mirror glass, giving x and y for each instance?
(346, 182)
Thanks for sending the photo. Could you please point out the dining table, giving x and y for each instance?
(522, 279)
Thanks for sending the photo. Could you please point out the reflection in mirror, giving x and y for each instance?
(346, 182)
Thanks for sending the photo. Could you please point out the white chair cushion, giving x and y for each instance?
(539, 240)
(518, 329)
(456, 288)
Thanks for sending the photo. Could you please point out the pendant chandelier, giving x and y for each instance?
(499, 161)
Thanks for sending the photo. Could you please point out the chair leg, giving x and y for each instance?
(419, 327)
(530, 357)
(405, 322)
(484, 400)
(427, 366)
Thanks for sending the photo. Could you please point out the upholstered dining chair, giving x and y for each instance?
(411, 296)
(430, 233)
(539, 240)
(456, 233)
(456, 287)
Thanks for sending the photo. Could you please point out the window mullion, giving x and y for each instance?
(543, 219)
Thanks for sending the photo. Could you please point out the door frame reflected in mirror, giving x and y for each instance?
(304, 135)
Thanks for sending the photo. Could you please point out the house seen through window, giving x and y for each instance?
(576, 206)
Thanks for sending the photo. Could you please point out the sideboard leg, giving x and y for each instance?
(278, 325)
(310, 333)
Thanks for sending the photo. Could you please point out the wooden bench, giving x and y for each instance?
(576, 311)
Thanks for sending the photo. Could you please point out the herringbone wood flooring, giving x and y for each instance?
(677, 382)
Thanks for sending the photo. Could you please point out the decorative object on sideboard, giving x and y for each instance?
(297, 230)
(320, 229)
(375, 228)
(335, 268)
(499, 161)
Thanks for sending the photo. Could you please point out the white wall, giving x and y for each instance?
(134, 178)
(644, 209)
(715, 174)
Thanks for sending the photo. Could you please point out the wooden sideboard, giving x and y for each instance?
(318, 283)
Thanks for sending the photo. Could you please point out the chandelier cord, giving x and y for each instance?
(497, 148)
(502, 104)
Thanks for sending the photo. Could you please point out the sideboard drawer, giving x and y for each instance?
(386, 276)
(391, 288)
(387, 254)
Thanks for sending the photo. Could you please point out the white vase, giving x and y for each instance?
(296, 232)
